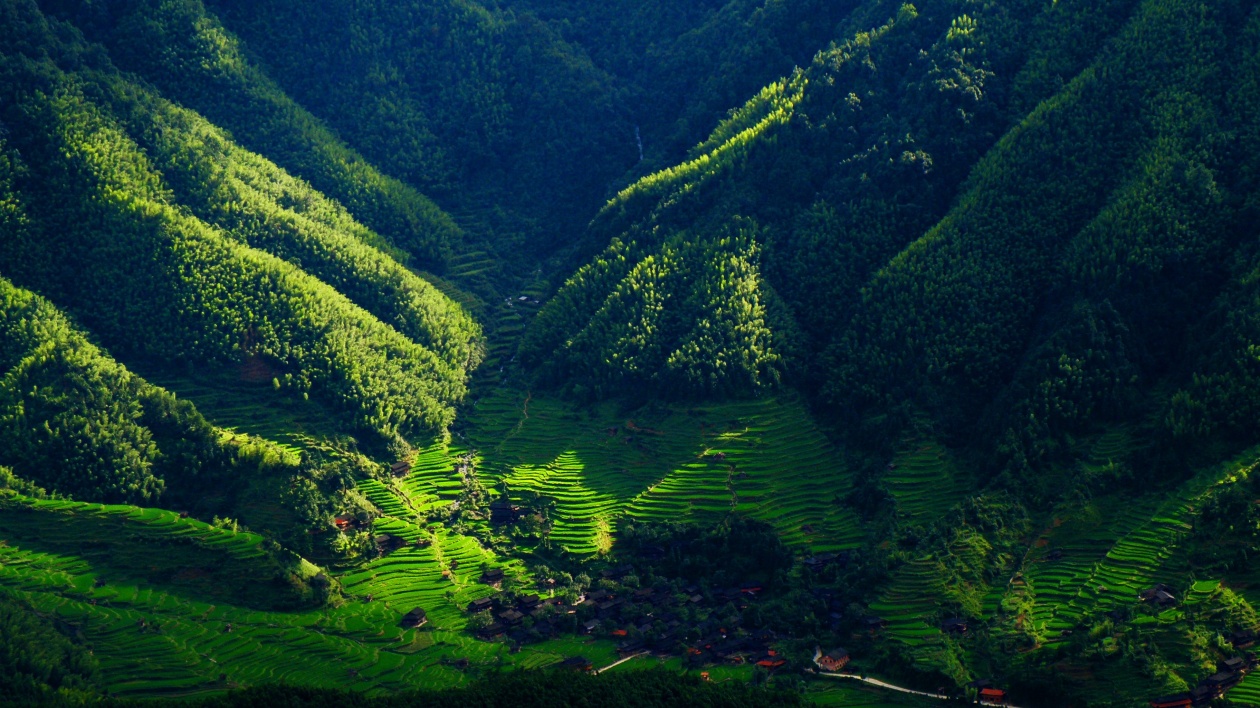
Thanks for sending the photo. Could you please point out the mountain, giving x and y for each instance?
(378, 346)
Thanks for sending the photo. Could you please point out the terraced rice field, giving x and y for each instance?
(1247, 693)
(911, 607)
(762, 458)
(159, 634)
(1112, 551)
(924, 481)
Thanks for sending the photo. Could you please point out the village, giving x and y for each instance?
(703, 624)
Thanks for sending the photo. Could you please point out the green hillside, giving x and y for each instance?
(370, 352)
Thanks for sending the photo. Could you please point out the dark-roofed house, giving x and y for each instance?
(1160, 595)
(413, 619)
(492, 576)
(631, 646)
(1236, 663)
(577, 663)
(511, 617)
(528, 602)
(502, 511)
(1242, 639)
(954, 625)
(480, 605)
(388, 543)
(833, 660)
(1202, 695)
(491, 631)
(820, 561)
(400, 468)
(1222, 681)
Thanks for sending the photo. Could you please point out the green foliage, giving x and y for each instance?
(724, 555)
(170, 286)
(190, 57)
(39, 664)
(74, 421)
(689, 318)
(534, 688)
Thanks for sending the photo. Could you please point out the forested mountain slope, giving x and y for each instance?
(928, 330)
(975, 214)
(215, 255)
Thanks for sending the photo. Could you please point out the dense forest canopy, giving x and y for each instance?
(774, 325)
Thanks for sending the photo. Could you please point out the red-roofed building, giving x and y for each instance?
(993, 695)
(833, 660)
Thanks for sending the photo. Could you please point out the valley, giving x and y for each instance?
(717, 352)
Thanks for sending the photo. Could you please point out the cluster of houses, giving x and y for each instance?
(1229, 673)
(646, 619)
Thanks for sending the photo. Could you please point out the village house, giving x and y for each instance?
(993, 696)
(511, 617)
(1203, 695)
(400, 469)
(1222, 682)
(1160, 596)
(630, 646)
(833, 660)
(954, 625)
(502, 511)
(528, 603)
(492, 576)
(415, 618)
(874, 624)
(345, 523)
(480, 605)
(1242, 639)
(818, 562)
(1233, 664)
(577, 663)
(771, 660)
(491, 631)
(388, 543)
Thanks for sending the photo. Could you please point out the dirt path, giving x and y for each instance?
(902, 689)
(622, 661)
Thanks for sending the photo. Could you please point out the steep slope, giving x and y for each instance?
(942, 248)
(232, 288)
(188, 55)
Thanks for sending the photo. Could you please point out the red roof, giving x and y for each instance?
(992, 693)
